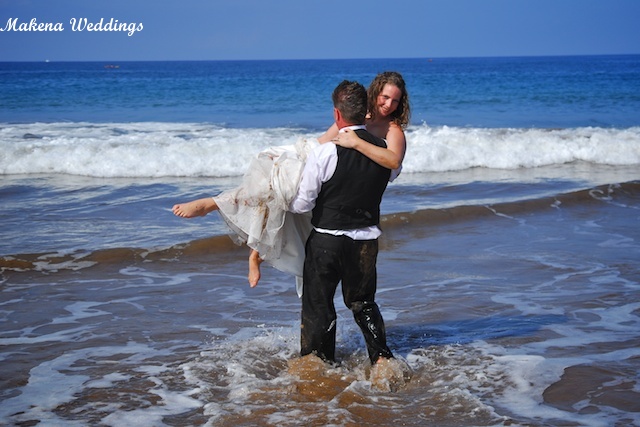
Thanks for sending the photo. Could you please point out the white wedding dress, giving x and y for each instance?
(256, 211)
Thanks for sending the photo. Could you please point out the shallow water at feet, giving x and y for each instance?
(514, 313)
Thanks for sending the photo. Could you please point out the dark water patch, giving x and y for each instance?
(619, 193)
(409, 337)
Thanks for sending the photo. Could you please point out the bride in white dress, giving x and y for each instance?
(257, 210)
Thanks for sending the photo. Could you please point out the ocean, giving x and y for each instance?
(509, 273)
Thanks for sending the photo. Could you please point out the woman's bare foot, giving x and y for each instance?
(195, 208)
(254, 268)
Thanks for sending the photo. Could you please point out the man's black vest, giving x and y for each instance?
(351, 198)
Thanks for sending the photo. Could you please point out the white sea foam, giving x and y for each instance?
(55, 382)
(196, 149)
(448, 149)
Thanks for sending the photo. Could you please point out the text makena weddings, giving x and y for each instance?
(77, 24)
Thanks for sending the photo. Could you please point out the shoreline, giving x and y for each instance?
(394, 224)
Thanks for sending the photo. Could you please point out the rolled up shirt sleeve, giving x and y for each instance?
(319, 168)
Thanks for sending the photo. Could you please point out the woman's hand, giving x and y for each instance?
(347, 138)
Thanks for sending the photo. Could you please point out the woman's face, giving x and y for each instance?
(388, 99)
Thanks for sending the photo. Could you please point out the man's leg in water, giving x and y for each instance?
(321, 276)
(359, 288)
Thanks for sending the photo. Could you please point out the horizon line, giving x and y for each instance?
(428, 58)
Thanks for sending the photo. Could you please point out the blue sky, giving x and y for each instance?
(312, 29)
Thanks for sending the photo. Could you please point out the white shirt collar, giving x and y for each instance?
(353, 127)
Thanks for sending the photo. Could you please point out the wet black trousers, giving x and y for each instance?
(328, 260)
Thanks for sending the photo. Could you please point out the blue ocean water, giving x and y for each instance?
(479, 92)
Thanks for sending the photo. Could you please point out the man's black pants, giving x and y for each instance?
(328, 260)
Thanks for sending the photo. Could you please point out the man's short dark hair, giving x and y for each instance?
(350, 98)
